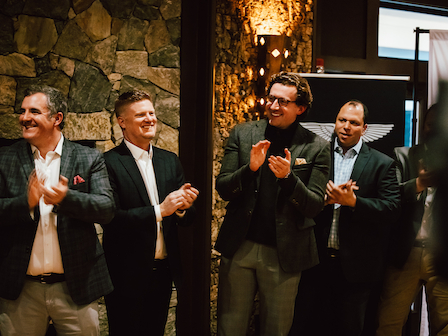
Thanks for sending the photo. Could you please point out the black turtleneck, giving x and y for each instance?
(262, 226)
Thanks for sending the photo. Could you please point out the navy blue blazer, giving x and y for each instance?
(129, 240)
(364, 231)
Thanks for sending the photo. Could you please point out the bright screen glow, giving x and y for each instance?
(396, 37)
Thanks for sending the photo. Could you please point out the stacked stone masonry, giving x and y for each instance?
(92, 51)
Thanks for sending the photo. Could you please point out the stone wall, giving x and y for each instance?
(92, 51)
(236, 77)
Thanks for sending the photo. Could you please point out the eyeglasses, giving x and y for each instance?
(281, 101)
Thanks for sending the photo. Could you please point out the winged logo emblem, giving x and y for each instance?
(325, 130)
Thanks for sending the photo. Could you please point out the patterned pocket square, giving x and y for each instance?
(300, 161)
(78, 179)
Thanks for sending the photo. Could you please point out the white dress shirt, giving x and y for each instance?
(46, 253)
(343, 168)
(143, 159)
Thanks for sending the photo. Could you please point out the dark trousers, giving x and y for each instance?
(329, 305)
(143, 314)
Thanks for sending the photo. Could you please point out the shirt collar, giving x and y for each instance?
(136, 151)
(356, 148)
(57, 150)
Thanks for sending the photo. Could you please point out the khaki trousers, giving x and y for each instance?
(399, 291)
(30, 314)
(255, 267)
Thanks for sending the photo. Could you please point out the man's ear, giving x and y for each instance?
(301, 110)
(58, 117)
(364, 130)
(121, 122)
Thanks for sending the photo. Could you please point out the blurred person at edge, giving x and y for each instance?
(411, 259)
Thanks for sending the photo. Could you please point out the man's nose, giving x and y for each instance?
(25, 115)
(275, 105)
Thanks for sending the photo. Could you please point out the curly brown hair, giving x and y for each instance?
(304, 95)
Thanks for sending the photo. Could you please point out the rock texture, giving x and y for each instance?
(8, 87)
(73, 42)
(88, 126)
(132, 34)
(17, 65)
(89, 89)
(35, 35)
(95, 22)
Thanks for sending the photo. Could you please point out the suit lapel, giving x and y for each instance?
(26, 159)
(258, 131)
(159, 172)
(298, 143)
(361, 161)
(67, 163)
(128, 161)
(258, 134)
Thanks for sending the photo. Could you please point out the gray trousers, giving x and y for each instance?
(30, 314)
(255, 267)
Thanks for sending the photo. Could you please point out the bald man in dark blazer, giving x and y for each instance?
(352, 232)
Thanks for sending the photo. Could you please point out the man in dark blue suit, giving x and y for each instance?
(52, 191)
(352, 232)
(141, 243)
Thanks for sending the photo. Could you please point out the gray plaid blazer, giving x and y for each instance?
(310, 161)
(86, 203)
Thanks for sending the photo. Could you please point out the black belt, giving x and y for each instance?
(421, 243)
(49, 278)
(160, 264)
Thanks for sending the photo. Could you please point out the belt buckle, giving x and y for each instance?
(43, 276)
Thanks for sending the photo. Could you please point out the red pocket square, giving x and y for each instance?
(78, 179)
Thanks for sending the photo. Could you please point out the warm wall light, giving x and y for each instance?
(269, 61)
(273, 17)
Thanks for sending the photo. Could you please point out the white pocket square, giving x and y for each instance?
(300, 161)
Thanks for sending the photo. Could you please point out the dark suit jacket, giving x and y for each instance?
(129, 240)
(85, 204)
(296, 244)
(410, 220)
(364, 231)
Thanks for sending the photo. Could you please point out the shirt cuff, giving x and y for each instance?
(159, 217)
